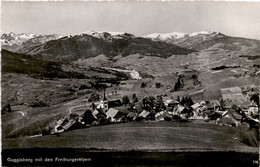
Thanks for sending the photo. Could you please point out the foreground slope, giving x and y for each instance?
(171, 136)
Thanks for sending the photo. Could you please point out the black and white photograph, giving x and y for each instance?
(130, 83)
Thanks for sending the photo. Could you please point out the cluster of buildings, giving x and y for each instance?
(159, 109)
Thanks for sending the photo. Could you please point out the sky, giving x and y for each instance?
(241, 19)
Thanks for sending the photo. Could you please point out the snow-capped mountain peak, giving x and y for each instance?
(161, 36)
(177, 35)
(16, 42)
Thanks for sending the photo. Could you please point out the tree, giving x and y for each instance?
(150, 101)
(6, 109)
(222, 104)
(178, 99)
(234, 107)
(159, 103)
(158, 84)
(134, 98)
(255, 98)
(125, 100)
(178, 84)
(186, 101)
(143, 85)
(88, 118)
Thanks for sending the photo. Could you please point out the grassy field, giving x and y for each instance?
(158, 136)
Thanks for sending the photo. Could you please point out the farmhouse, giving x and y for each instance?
(233, 94)
(245, 105)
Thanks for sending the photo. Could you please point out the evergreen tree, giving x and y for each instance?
(125, 100)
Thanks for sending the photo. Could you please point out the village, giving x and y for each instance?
(234, 109)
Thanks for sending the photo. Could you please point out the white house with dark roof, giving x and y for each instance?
(252, 109)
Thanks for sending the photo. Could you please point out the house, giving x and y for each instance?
(69, 125)
(101, 114)
(245, 105)
(57, 128)
(170, 102)
(252, 109)
(145, 115)
(182, 111)
(116, 115)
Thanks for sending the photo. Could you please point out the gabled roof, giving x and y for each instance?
(253, 104)
(180, 108)
(114, 103)
(144, 114)
(220, 112)
(95, 112)
(112, 112)
(215, 102)
(161, 114)
(69, 124)
(122, 109)
(119, 115)
(196, 105)
(131, 114)
(245, 104)
(233, 114)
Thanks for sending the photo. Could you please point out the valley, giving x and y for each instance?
(48, 81)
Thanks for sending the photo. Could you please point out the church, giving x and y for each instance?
(105, 104)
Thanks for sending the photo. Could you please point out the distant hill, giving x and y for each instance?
(204, 40)
(86, 45)
(24, 64)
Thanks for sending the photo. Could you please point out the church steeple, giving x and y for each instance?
(104, 97)
(104, 102)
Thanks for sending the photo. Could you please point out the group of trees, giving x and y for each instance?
(126, 100)
(255, 98)
(178, 84)
(185, 101)
(6, 109)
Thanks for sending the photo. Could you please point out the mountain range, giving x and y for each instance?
(55, 47)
